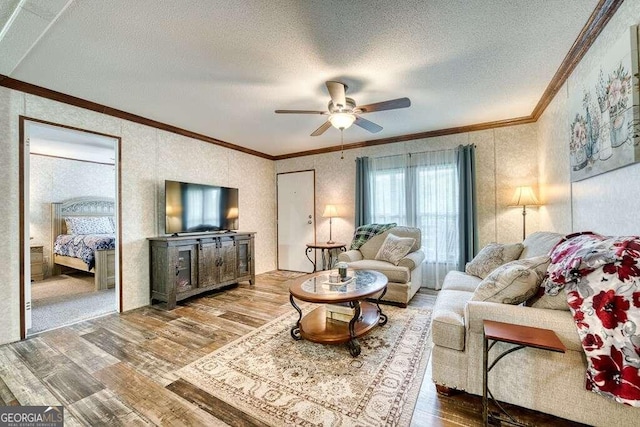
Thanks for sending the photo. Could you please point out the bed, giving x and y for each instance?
(94, 253)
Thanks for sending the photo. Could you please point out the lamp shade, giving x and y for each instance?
(342, 120)
(330, 211)
(233, 213)
(524, 197)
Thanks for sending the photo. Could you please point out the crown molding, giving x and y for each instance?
(590, 32)
(53, 95)
(412, 136)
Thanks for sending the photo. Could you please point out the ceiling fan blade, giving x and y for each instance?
(368, 125)
(385, 105)
(300, 112)
(326, 125)
(337, 91)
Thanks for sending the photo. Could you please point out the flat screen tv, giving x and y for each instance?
(197, 208)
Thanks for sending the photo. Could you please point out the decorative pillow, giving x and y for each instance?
(89, 225)
(491, 257)
(514, 282)
(550, 302)
(367, 231)
(394, 248)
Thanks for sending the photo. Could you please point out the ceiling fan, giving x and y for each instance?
(343, 112)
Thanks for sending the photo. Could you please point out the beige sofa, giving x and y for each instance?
(404, 278)
(549, 382)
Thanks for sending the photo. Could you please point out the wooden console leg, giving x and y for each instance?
(446, 391)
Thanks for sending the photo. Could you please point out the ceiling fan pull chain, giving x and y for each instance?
(342, 144)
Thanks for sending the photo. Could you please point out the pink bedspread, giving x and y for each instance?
(601, 276)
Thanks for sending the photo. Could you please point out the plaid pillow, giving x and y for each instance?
(367, 231)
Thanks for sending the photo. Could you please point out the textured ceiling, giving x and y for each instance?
(7, 8)
(220, 68)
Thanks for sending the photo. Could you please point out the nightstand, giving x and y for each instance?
(37, 263)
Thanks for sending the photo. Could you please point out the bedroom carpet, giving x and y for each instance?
(63, 302)
(321, 384)
(61, 286)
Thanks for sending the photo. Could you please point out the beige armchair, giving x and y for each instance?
(404, 278)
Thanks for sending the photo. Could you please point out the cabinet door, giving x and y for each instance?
(244, 258)
(185, 267)
(228, 260)
(208, 263)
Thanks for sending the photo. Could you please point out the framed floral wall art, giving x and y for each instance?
(604, 113)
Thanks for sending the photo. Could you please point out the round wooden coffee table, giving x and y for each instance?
(316, 327)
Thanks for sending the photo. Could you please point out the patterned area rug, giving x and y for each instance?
(284, 382)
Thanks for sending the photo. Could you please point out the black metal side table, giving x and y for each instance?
(326, 250)
(521, 336)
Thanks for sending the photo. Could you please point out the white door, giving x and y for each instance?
(296, 220)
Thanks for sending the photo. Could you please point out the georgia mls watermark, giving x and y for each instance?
(31, 416)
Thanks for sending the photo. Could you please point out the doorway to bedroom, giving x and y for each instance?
(71, 227)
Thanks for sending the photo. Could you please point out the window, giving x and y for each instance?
(389, 196)
(420, 190)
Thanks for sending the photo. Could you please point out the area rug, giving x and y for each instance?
(283, 382)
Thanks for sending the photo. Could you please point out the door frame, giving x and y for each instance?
(22, 181)
(278, 211)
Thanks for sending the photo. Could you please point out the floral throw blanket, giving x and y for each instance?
(601, 276)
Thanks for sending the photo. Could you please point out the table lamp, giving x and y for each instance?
(330, 211)
(524, 197)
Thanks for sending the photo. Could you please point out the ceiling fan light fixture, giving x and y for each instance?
(342, 120)
(343, 113)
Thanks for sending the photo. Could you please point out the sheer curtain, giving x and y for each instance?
(437, 212)
(420, 190)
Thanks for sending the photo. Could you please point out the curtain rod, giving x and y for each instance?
(421, 152)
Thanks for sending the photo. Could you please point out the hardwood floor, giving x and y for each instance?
(120, 369)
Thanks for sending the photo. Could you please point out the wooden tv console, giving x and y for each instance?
(184, 266)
